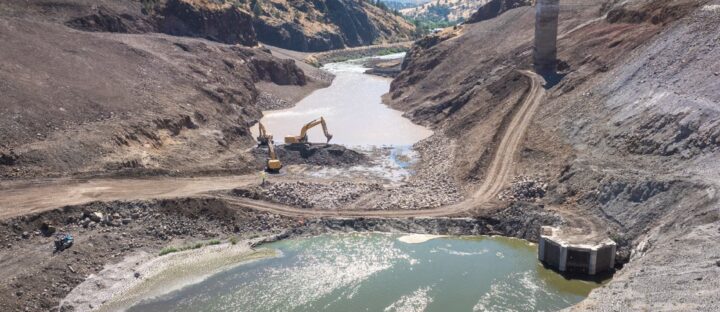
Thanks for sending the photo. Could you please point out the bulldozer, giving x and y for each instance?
(303, 138)
(273, 163)
(264, 137)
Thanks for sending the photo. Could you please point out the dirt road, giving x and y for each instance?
(19, 199)
(22, 198)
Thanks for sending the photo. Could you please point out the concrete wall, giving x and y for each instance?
(546, 31)
(562, 256)
(605, 257)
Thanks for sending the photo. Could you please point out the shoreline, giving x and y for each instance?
(141, 276)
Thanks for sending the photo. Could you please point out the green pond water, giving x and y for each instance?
(381, 272)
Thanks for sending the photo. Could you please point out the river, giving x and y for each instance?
(352, 106)
(384, 272)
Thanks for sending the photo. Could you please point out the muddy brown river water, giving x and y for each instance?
(353, 109)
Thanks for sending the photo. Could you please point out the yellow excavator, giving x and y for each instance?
(303, 138)
(273, 163)
(264, 137)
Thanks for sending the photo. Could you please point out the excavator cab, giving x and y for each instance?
(303, 137)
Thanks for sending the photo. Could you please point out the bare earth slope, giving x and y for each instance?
(628, 138)
(77, 102)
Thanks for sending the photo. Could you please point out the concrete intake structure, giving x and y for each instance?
(546, 31)
(564, 256)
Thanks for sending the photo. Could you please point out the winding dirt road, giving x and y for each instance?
(31, 197)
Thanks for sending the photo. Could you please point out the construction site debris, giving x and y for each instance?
(524, 188)
(317, 195)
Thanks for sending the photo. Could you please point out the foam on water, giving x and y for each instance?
(380, 272)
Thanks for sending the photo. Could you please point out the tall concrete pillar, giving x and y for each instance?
(546, 31)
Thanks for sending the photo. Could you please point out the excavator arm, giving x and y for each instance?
(263, 136)
(273, 163)
(302, 138)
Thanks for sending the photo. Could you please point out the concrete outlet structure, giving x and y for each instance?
(560, 254)
(546, 31)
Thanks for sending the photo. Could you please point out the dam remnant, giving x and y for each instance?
(560, 252)
(546, 31)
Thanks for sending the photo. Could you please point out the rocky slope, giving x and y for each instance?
(493, 8)
(627, 135)
(451, 10)
(298, 25)
(327, 24)
(78, 102)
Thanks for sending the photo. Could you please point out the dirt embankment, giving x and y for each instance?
(329, 155)
(357, 52)
(104, 234)
(384, 68)
(623, 139)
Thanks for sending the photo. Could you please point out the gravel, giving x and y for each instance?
(317, 195)
(267, 101)
(432, 185)
(524, 188)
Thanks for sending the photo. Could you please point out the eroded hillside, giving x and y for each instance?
(78, 102)
(327, 24)
(628, 134)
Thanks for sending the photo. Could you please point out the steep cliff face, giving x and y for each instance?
(321, 25)
(221, 23)
(217, 21)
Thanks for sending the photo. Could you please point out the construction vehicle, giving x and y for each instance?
(63, 241)
(303, 138)
(264, 137)
(273, 163)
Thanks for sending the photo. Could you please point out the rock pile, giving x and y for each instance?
(313, 154)
(432, 185)
(267, 101)
(524, 188)
(317, 195)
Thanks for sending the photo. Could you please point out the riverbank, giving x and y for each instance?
(141, 276)
(334, 56)
(136, 232)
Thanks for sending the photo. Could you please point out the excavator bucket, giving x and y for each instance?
(273, 165)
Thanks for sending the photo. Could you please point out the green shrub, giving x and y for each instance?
(168, 250)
